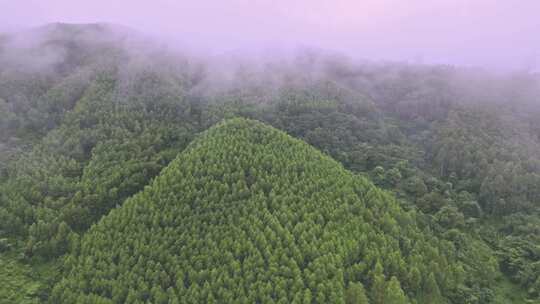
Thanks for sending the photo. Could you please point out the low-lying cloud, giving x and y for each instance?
(498, 34)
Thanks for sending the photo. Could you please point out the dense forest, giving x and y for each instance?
(131, 173)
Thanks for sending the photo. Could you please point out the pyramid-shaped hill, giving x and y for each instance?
(247, 214)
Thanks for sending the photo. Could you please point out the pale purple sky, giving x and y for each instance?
(496, 33)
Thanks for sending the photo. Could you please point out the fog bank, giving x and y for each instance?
(497, 34)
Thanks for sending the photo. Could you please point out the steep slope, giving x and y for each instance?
(248, 214)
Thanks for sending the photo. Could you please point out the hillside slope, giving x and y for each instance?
(248, 214)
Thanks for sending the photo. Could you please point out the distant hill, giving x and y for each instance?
(46, 70)
(248, 214)
(61, 48)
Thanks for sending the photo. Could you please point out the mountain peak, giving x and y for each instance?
(248, 207)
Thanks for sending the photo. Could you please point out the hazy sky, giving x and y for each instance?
(497, 33)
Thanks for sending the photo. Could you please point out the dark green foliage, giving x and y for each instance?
(519, 251)
(23, 283)
(103, 152)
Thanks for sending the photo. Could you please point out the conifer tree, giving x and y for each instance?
(356, 294)
(394, 294)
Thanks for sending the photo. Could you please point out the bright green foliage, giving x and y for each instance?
(249, 213)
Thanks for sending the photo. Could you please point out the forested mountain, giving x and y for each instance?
(247, 214)
(101, 112)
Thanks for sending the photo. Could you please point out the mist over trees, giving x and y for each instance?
(90, 115)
